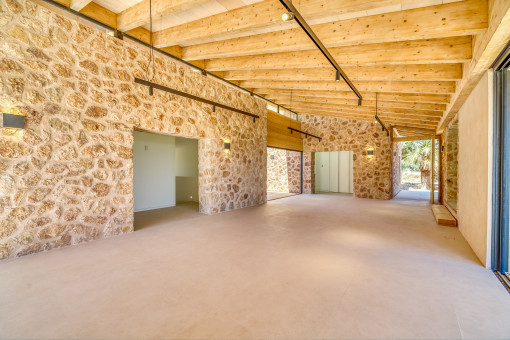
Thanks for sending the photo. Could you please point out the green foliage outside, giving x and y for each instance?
(416, 165)
(416, 155)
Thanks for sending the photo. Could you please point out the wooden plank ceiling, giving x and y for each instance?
(411, 53)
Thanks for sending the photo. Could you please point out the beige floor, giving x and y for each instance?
(303, 267)
(272, 195)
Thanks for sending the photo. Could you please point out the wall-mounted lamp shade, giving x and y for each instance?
(226, 146)
(13, 121)
(287, 16)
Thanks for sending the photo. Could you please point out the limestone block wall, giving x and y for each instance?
(283, 170)
(68, 177)
(397, 168)
(450, 163)
(372, 175)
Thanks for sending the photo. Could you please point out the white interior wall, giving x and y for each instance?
(153, 171)
(186, 170)
(475, 169)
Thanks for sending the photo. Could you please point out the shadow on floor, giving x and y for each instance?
(415, 195)
(271, 195)
(151, 218)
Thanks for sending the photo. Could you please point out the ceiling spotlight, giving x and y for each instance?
(287, 16)
(337, 76)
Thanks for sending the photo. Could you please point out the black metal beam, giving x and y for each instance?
(308, 30)
(190, 96)
(138, 41)
(304, 133)
(382, 125)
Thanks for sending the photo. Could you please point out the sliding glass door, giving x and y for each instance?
(501, 188)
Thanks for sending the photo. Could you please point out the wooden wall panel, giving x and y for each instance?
(278, 134)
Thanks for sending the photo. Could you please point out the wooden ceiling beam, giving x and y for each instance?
(436, 72)
(353, 102)
(78, 5)
(413, 138)
(454, 19)
(369, 118)
(100, 14)
(382, 96)
(265, 16)
(138, 15)
(433, 87)
(414, 129)
(486, 49)
(443, 50)
(435, 115)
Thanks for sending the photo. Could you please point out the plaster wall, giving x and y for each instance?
(475, 168)
(186, 170)
(68, 177)
(153, 171)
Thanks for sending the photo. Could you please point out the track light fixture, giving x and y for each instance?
(287, 16)
(337, 76)
(151, 91)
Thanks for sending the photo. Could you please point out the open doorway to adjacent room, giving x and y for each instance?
(165, 178)
(284, 169)
(416, 169)
(334, 172)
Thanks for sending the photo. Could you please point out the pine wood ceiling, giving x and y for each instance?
(413, 53)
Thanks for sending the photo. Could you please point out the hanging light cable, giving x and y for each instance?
(149, 77)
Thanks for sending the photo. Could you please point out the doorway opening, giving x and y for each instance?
(284, 173)
(165, 178)
(334, 172)
(416, 167)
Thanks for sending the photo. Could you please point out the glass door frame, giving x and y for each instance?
(501, 168)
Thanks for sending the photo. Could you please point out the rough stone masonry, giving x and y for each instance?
(68, 177)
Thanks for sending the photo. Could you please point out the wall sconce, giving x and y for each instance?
(13, 121)
(370, 152)
(226, 145)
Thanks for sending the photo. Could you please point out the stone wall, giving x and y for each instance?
(450, 163)
(397, 168)
(372, 175)
(283, 170)
(68, 177)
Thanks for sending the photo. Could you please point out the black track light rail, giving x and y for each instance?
(308, 30)
(190, 96)
(304, 133)
(384, 128)
(121, 35)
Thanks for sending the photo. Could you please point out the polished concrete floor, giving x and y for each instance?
(273, 195)
(302, 267)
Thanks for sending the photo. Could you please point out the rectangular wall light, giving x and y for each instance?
(13, 121)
